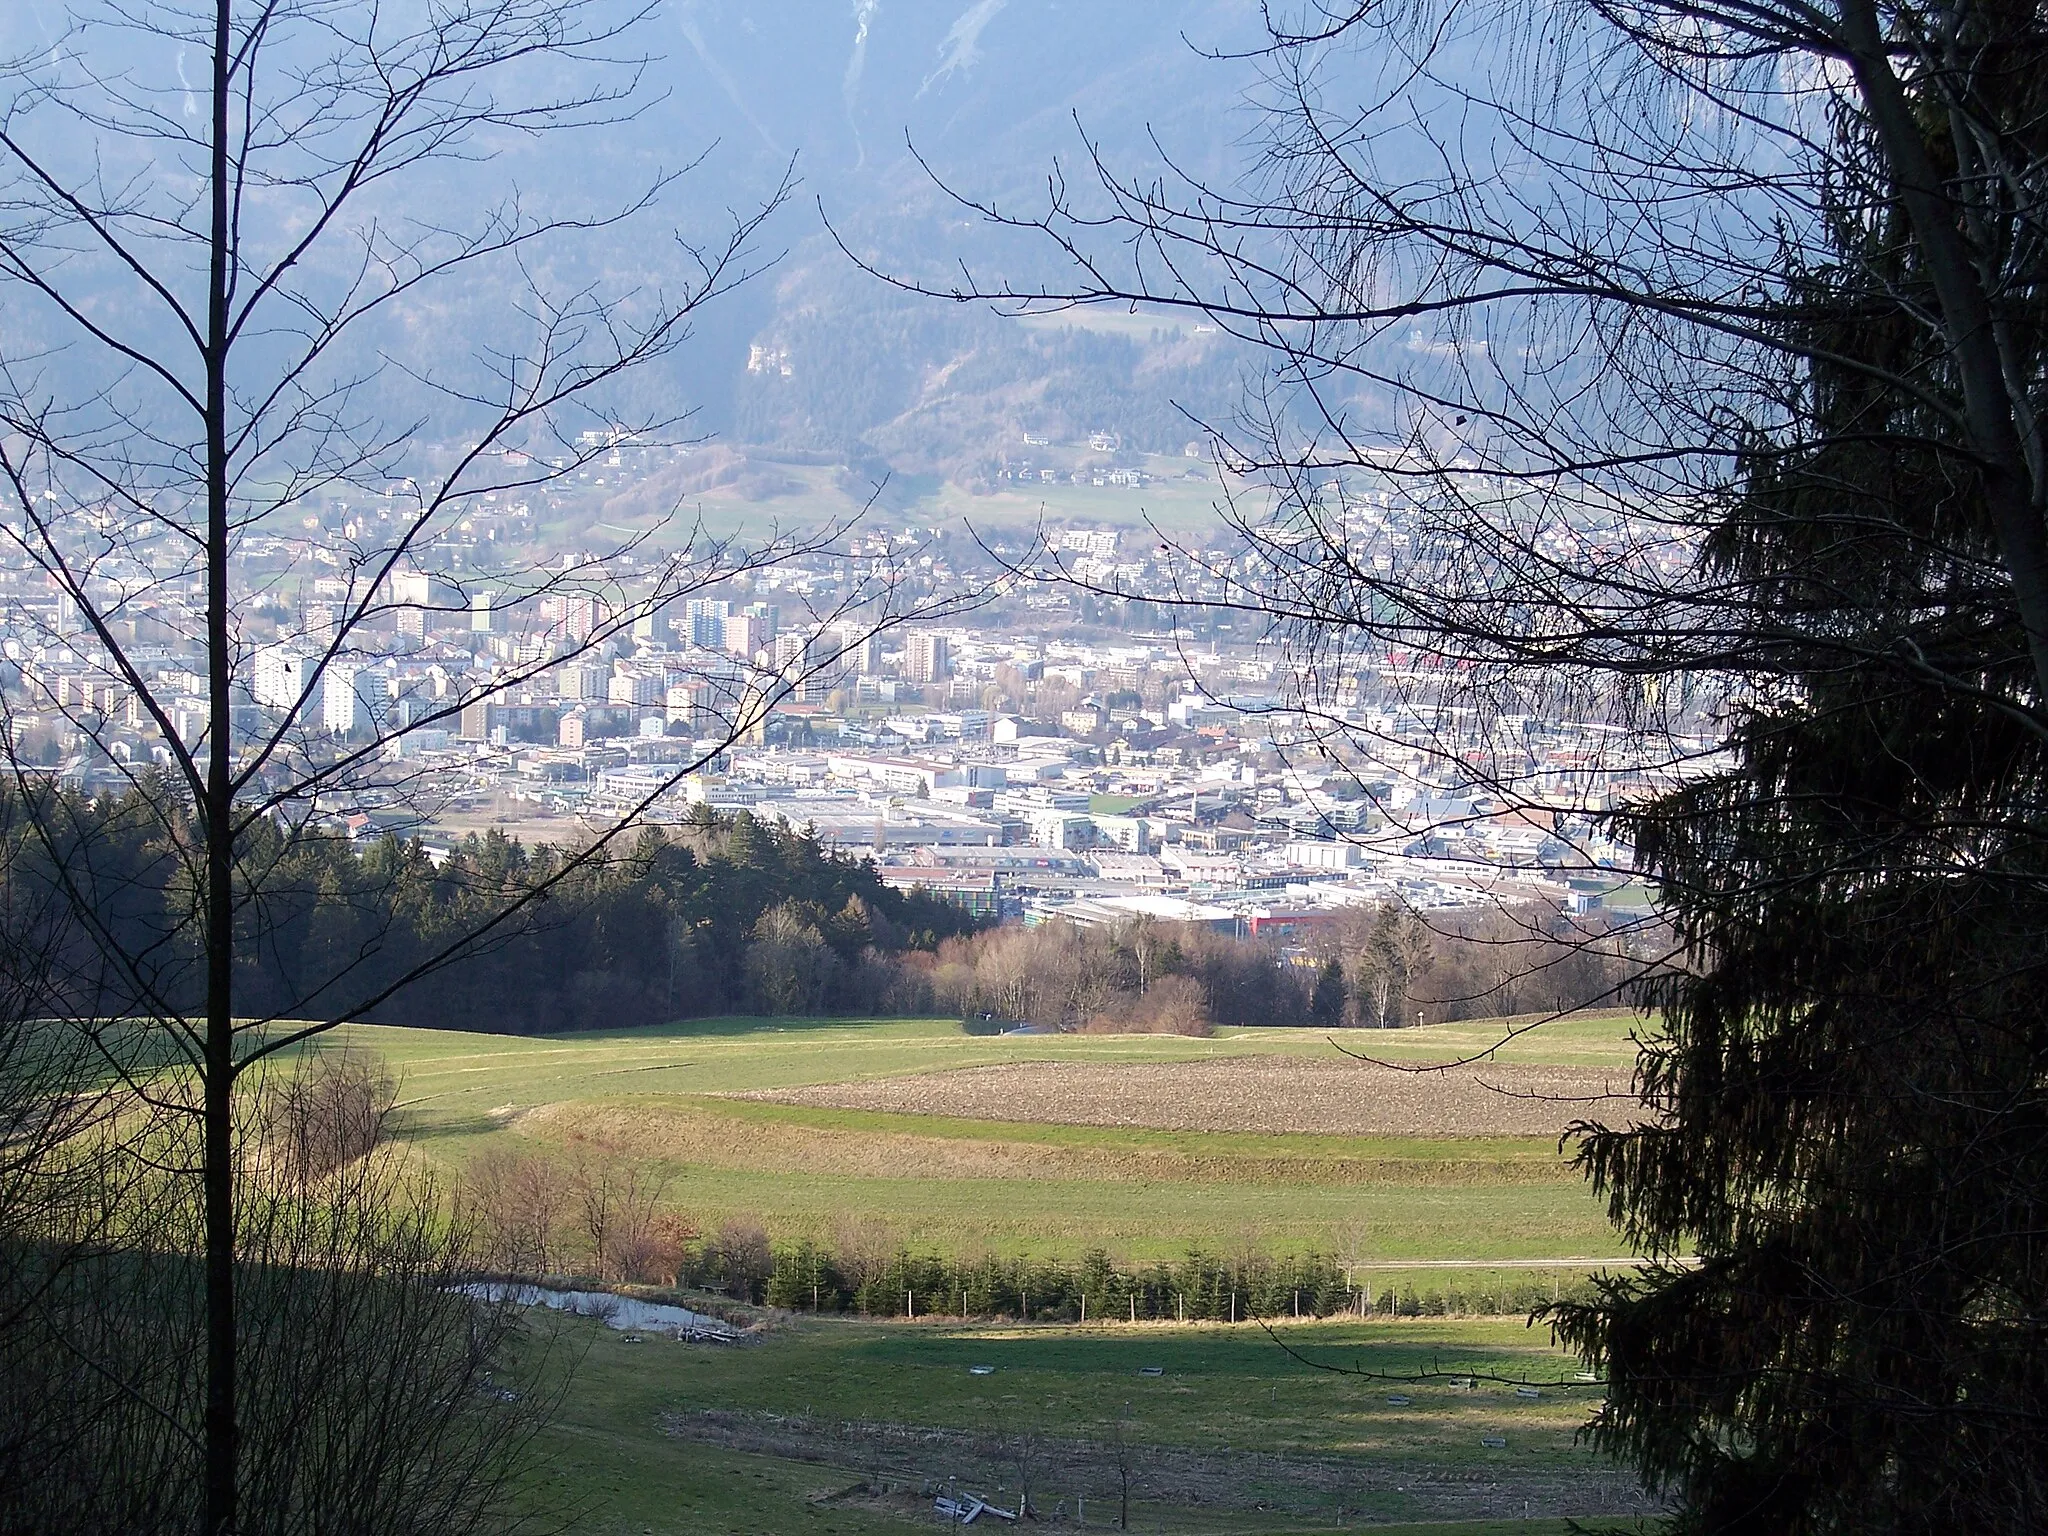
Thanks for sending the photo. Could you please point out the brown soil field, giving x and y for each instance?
(1263, 1094)
(701, 1136)
(685, 1133)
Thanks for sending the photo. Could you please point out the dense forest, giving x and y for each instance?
(729, 915)
(709, 917)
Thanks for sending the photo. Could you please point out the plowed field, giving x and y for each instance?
(1264, 1094)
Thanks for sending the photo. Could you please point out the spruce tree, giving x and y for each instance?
(1844, 1184)
(1326, 1002)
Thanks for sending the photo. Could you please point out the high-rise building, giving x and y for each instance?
(280, 680)
(420, 589)
(341, 699)
(635, 687)
(706, 618)
(744, 634)
(929, 658)
(570, 615)
(689, 703)
(476, 722)
(816, 663)
(579, 680)
(863, 654)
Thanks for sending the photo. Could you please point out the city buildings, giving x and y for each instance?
(928, 657)
(1033, 758)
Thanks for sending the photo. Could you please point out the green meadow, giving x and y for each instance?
(1010, 1187)
(853, 1427)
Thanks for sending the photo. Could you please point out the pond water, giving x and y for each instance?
(628, 1314)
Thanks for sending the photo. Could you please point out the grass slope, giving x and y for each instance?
(453, 1078)
(1229, 1404)
(688, 1441)
(962, 1186)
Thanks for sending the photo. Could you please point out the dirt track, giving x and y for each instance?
(1251, 1093)
(904, 1465)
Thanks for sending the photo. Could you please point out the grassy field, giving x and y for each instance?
(844, 1427)
(814, 497)
(837, 1425)
(963, 1185)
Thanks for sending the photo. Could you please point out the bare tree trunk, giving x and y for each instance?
(218, 929)
(198, 445)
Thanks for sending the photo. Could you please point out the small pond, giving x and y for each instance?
(628, 1314)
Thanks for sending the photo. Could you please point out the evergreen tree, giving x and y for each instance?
(1326, 1002)
(1852, 1147)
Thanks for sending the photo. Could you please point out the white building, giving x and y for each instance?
(631, 686)
(420, 589)
(280, 676)
(864, 654)
(1319, 854)
(904, 775)
(341, 699)
(706, 618)
(1061, 829)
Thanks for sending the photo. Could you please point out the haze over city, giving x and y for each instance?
(1210, 767)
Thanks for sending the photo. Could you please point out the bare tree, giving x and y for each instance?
(1123, 1459)
(72, 1185)
(220, 219)
(789, 964)
(745, 1258)
(335, 1108)
(518, 1200)
(863, 1247)
(425, 1397)
(617, 1204)
(1020, 1445)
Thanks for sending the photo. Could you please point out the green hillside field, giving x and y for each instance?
(1017, 1187)
(849, 1427)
